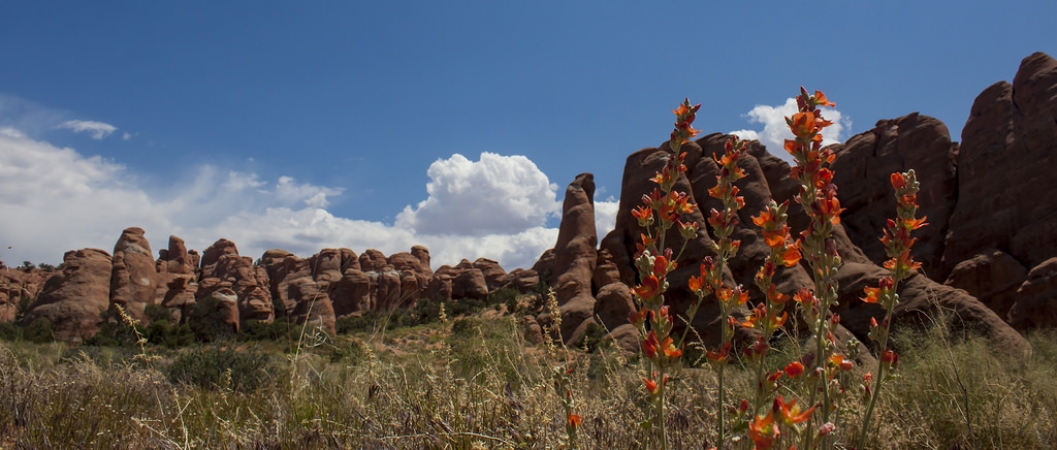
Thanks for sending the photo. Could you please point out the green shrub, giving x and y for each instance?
(113, 332)
(505, 296)
(155, 313)
(207, 324)
(352, 353)
(280, 329)
(594, 338)
(164, 332)
(39, 331)
(10, 332)
(223, 368)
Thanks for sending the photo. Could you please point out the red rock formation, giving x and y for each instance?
(922, 299)
(467, 281)
(422, 253)
(134, 280)
(178, 278)
(16, 284)
(176, 262)
(861, 171)
(991, 276)
(1007, 195)
(352, 294)
(75, 300)
(524, 280)
(373, 261)
(281, 267)
(494, 275)
(306, 287)
(1036, 305)
(575, 258)
(314, 304)
(223, 268)
(180, 299)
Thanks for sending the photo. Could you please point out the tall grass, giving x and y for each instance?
(475, 384)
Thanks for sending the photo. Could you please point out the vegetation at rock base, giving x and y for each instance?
(472, 383)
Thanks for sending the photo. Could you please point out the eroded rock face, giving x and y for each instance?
(1036, 305)
(314, 304)
(923, 303)
(305, 288)
(336, 282)
(223, 268)
(454, 282)
(176, 262)
(862, 168)
(19, 283)
(494, 275)
(75, 300)
(575, 257)
(524, 280)
(352, 294)
(1007, 195)
(134, 280)
(178, 278)
(993, 277)
(180, 299)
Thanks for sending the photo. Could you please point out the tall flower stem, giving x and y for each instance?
(662, 210)
(723, 222)
(818, 197)
(897, 243)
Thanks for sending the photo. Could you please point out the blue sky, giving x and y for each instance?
(303, 125)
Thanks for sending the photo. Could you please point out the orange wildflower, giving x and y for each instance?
(668, 346)
(790, 413)
(763, 431)
(762, 219)
(794, 369)
(915, 224)
(718, 355)
(791, 255)
(650, 344)
(642, 213)
(696, 284)
(651, 386)
(575, 420)
(821, 100)
(649, 287)
(873, 295)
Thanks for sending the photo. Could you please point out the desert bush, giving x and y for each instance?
(39, 331)
(9, 331)
(207, 325)
(226, 368)
(280, 329)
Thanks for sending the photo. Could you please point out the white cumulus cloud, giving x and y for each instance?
(497, 194)
(606, 216)
(98, 130)
(775, 131)
(56, 199)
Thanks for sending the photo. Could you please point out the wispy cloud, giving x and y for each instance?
(98, 130)
(775, 131)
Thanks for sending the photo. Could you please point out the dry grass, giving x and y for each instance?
(475, 384)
